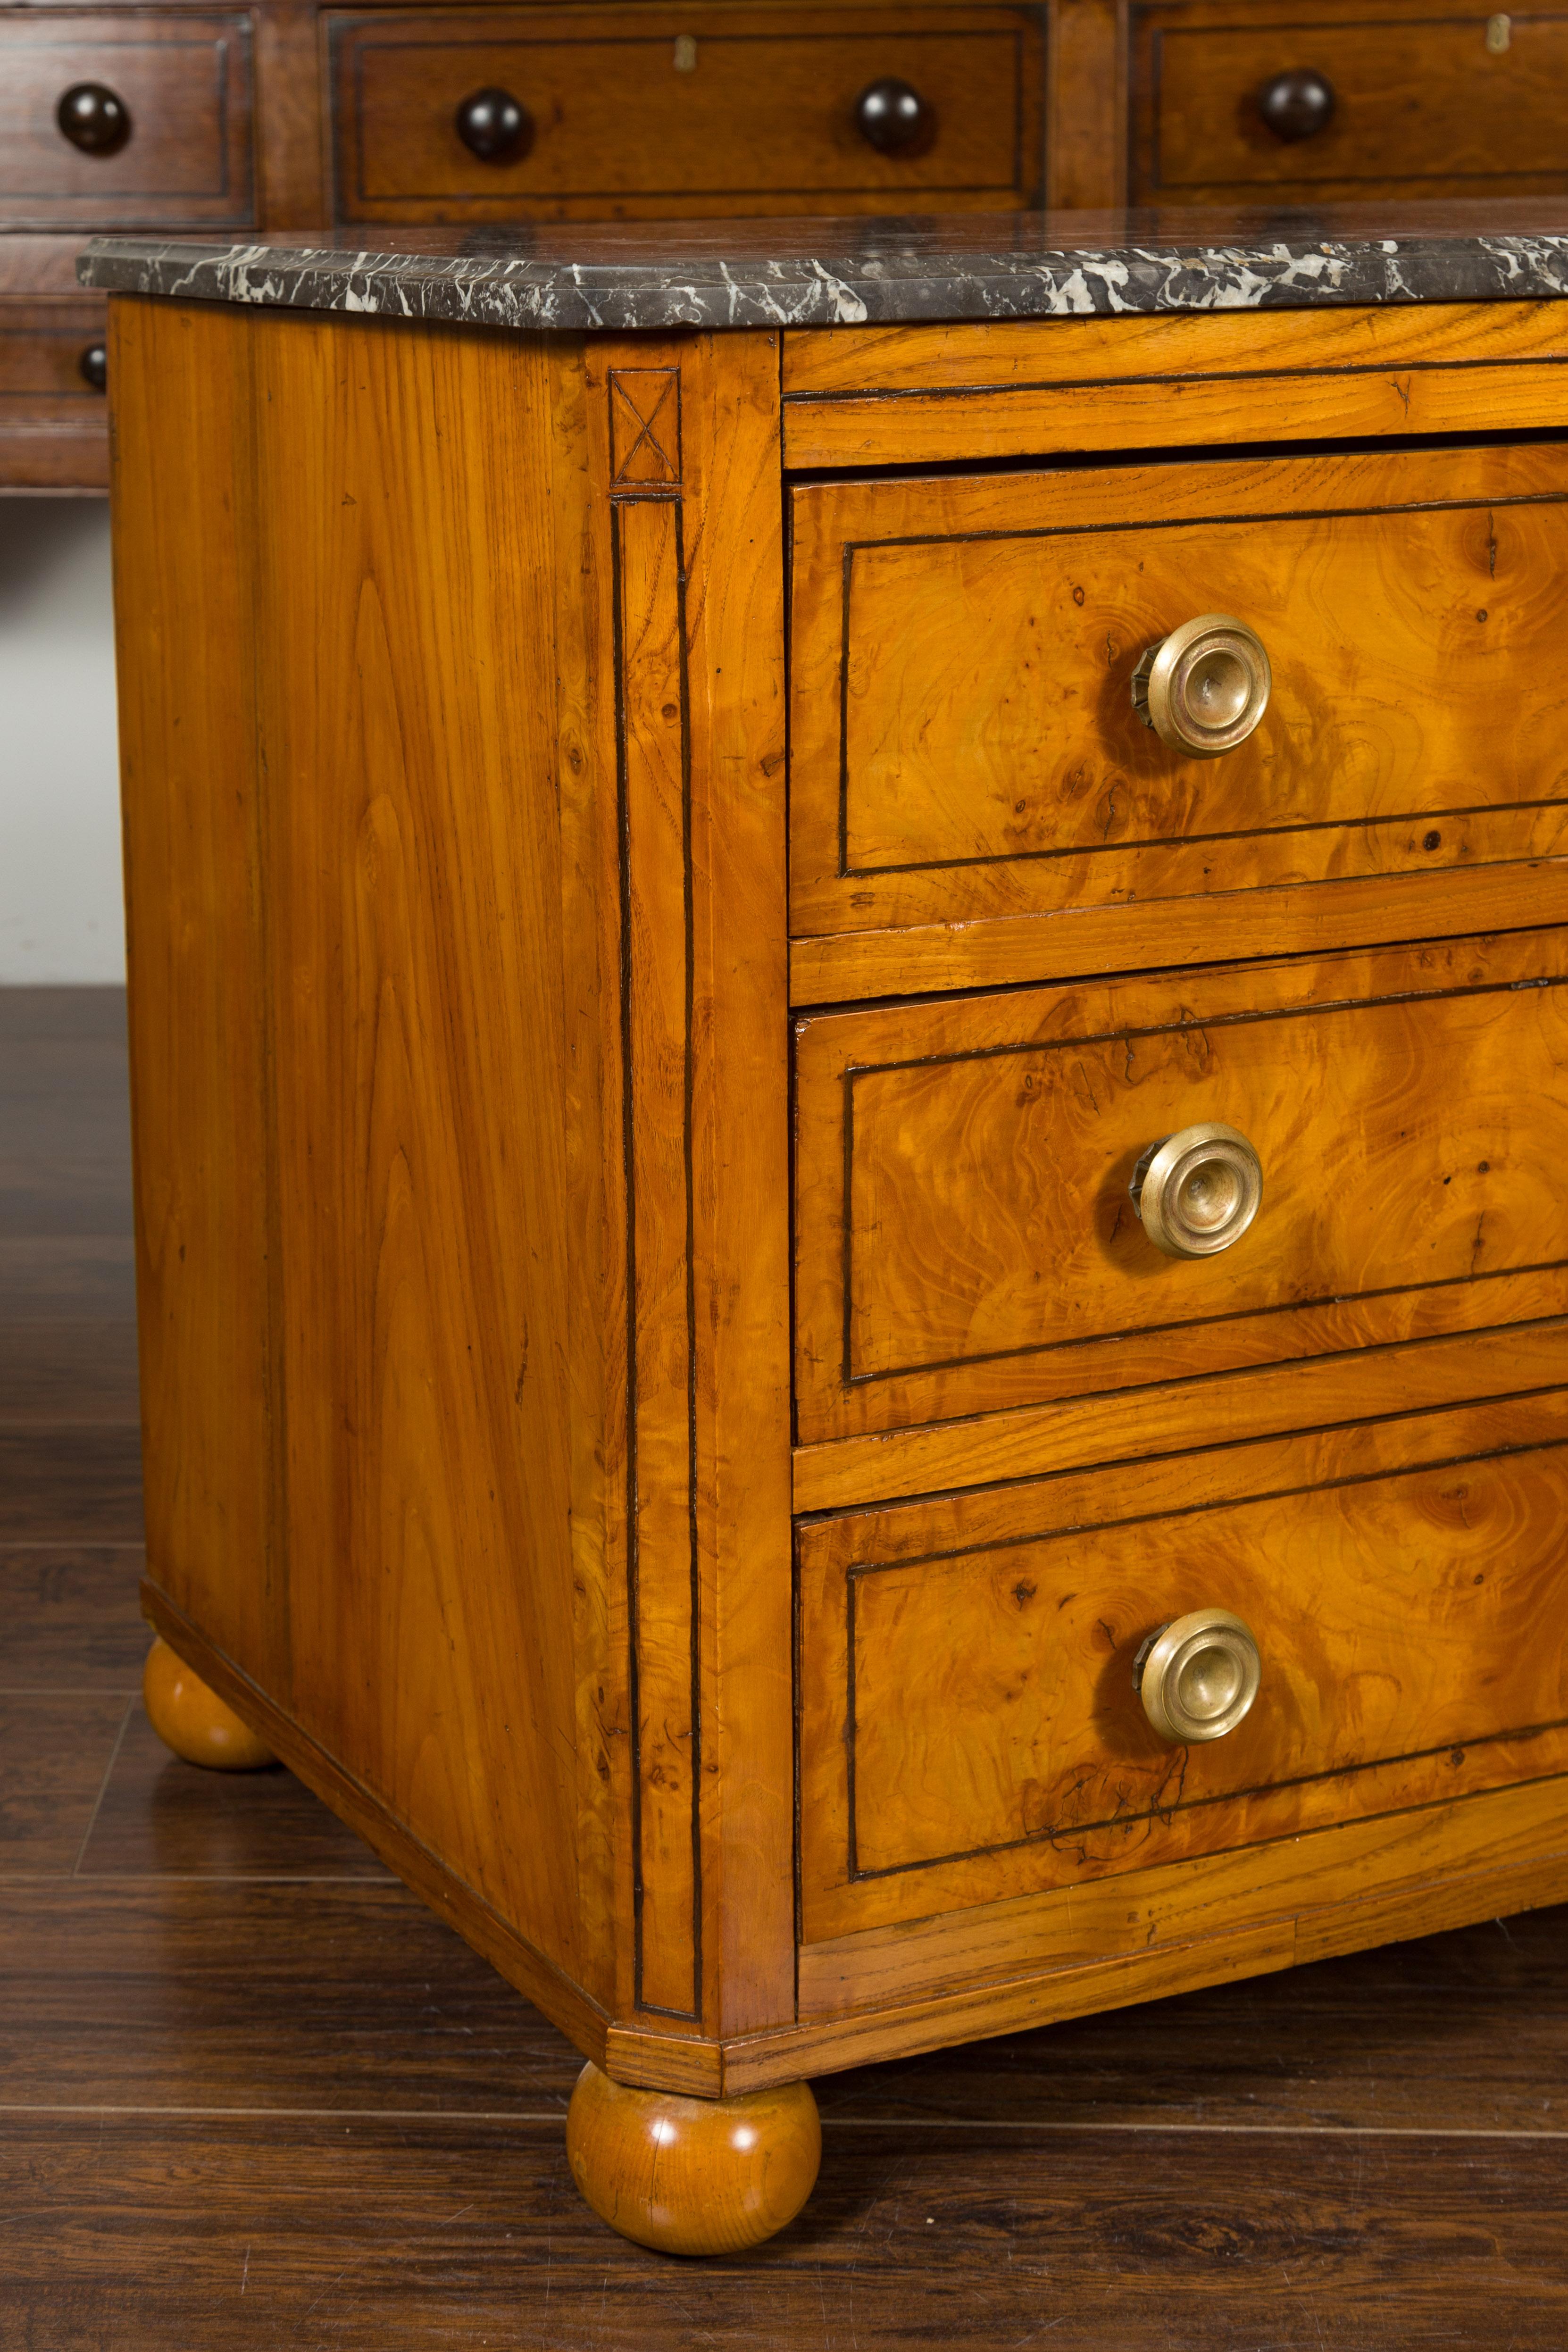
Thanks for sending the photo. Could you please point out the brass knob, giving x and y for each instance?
(894, 117)
(1198, 1675)
(94, 117)
(1203, 689)
(1297, 105)
(494, 126)
(93, 366)
(1197, 1191)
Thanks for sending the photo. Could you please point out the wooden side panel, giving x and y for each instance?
(970, 1727)
(206, 1250)
(404, 564)
(691, 465)
(337, 588)
(491, 927)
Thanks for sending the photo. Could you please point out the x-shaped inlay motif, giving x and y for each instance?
(641, 400)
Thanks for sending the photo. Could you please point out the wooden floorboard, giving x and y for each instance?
(253, 2097)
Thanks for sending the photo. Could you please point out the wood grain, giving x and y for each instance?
(193, 1722)
(1286, 919)
(387, 2233)
(886, 394)
(663, 1038)
(1362, 1372)
(71, 1616)
(692, 2176)
(157, 1819)
(186, 79)
(963, 742)
(205, 1246)
(1086, 137)
(1066, 1951)
(532, 1972)
(763, 123)
(970, 1723)
(1422, 105)
(524, 1050)
(949, 1155)
(55, 1749)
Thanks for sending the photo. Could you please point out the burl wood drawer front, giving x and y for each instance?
(1410, 96)
(966, 1235)
(709, 109)
(965, 743)
(969, 1728)
(178, 150)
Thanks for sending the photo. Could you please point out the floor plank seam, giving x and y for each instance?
(103, 1784)
(552, 2115)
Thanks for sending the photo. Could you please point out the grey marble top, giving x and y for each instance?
(823, 273)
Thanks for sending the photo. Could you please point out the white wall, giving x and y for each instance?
(60, 913)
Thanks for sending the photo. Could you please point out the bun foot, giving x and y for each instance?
(193, 1721)
(692, 2176)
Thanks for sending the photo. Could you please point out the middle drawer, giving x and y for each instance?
(966, 1235)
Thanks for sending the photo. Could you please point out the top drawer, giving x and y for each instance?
(165, 136)
(1433, 101)
(708, 110)
(964, 741)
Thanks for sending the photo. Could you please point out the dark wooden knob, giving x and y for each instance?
(494, 126)
(93, 118)
(894, 117)
(1297, 105)
(94, 366)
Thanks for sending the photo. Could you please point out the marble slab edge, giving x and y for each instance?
(884, 286)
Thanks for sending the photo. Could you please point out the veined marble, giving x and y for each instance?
(850, 273)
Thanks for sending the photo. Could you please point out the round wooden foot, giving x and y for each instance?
(692, 2176)
(193, 1721)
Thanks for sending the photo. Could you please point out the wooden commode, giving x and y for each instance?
(849, 1019)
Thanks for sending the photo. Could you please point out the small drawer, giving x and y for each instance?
(967, 1233)
(710, 110)
(965, 744)
(53, 349)
(1297, 103)
(161, 130)
(972, 1725)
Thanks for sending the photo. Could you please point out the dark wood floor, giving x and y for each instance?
(252, 2096)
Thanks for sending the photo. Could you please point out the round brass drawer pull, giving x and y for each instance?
(1197, 1191)
(1198, 1675)
(1203, 689)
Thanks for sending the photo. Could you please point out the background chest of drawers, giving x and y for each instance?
(284, 116)
(288, 115)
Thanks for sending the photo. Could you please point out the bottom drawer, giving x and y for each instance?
(970, 1727)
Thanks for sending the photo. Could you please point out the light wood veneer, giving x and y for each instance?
(455, 673)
